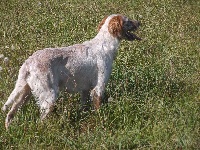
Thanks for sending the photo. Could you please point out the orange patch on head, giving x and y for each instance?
(101, 23)
(115, 26)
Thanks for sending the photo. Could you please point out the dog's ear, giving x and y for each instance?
(101, 23)
(115, 26)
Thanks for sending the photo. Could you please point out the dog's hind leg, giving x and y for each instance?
(47, 93)
(18, 97)
(45, 89)
(20, 87)
(47, 100)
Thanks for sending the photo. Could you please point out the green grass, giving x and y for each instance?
(154, 85)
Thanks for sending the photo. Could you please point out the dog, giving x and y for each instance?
(83, 68)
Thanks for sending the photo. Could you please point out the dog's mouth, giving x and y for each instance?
(130, 36)
(133, 26)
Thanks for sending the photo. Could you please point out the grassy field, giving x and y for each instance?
(154, 87)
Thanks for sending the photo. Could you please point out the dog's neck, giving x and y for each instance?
(104, 38)
(106, 43)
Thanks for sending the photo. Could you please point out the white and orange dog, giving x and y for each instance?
(83, 68)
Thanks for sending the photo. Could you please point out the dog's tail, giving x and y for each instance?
(21, 91)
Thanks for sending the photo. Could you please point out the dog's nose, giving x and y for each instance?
(139, 23)
(136, 23)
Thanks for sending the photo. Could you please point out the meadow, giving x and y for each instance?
(154, 90)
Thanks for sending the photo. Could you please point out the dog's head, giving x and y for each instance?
(120, 26)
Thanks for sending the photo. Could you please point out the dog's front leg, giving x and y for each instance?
(98, 92)
(96, 96)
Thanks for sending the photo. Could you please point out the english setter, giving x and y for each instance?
(83, 68)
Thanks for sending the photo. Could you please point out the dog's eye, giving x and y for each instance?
(128, 23)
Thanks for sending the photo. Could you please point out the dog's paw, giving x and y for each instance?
(9, 119)
(4, 108)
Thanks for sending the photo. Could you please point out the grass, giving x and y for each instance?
(154, 86)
